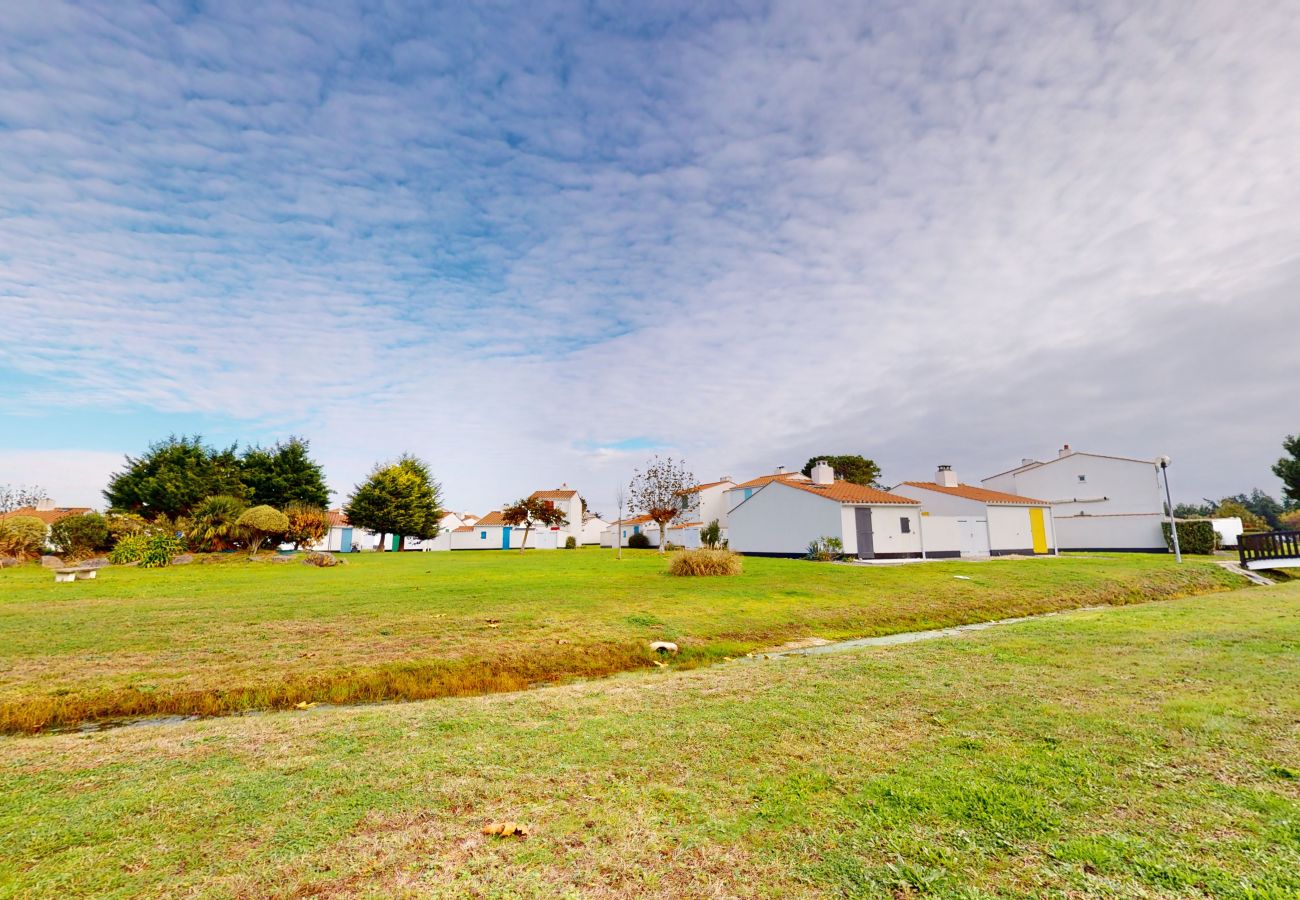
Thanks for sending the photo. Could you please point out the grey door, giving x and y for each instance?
(862, 518)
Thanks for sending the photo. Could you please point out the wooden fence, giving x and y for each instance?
(1271, 545)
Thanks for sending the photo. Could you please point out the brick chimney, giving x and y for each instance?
(945, 477)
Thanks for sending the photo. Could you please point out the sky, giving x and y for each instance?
(535, 243)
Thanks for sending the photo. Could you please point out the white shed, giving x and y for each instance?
(783, 516)
(989, 523)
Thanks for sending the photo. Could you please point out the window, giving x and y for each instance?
(905, 524)
(749, 492)
(482, 535)
(1083, 477)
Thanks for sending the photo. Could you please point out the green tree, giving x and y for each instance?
(283, 474)
(398, 498)
(214, 524)
(1259, 504)
(80, 536)
(261, 523)
(1288, 468)
(1249, 521)
(711, 534)
(173, 477)
(848, 467)
(659, 492)
(1194, 510)
(532, 511)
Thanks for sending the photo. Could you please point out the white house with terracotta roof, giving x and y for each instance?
(592, 528)
(624, 528)
(568, 502)
(986, 522)
(493, 533)
(738, 493)
(784, 514)
(47, 512)
(1099, 501)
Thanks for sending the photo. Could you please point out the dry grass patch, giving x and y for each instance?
(706, 562)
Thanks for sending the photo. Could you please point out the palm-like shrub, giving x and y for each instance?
(825, 549)
(214, 524)
(262, 523)
(21, 537)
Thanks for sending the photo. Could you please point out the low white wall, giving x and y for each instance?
(1138, 532)
(1229, 529)
(887, 535)
(1009, 528)
(940, 534)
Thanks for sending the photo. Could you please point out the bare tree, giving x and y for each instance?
(17, 496)
(620, 496)
(663, 492)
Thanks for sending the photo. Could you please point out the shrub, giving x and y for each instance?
(214, 524)
(308, 524)
(79, 536)
(321, 560)
(122, 524)
(825, 549)
(711, 535)
(570, 543)
(638, 541)
(1196, 536)
(21, 537)
(1290, 521)
(262, 523)
(130, 548)
(706, 562)
(159, 549)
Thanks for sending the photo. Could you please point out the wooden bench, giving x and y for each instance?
(79, 573)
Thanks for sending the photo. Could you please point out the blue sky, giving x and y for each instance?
(532, 243)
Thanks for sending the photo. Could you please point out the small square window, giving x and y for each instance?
(482, 535)
(905, 525)
(1083, 477)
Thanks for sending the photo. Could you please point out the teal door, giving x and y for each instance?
(345, 540)
(505, 538)
(397, 543)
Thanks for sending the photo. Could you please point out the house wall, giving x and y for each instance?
(686, 537)
(1109, 486)
(887, 536)
(778, 519)
(1229, 529)
(713, 504)
(543, 539)
(1009, 529)
(593, 531)
(1134, 532)
(940, 535)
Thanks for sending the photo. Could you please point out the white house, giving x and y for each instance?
(738, 493)
(567, 502)
(784, 515)
(492, 533)
(622, 529)
(987, 523)
(592, 528)
(706, 502)
(1099, 502)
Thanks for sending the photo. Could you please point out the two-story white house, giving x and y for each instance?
(568, 502)
(1099, 502)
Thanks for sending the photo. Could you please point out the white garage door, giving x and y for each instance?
(974, 536)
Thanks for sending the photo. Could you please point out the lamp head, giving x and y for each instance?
(1164, 462)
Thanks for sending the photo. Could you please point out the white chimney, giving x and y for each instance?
(1064, 451)
(727, 478)
(945, 477)
(45, 504)
(822, 473)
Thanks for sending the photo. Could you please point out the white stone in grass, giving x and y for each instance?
(663, 646)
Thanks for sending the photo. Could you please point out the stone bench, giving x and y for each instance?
(80, 573)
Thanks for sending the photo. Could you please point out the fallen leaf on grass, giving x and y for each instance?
(662, 665)
(303, 704)
(506, 829)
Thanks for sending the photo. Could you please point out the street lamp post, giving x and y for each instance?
(1169, 503)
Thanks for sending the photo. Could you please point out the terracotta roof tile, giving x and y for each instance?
(556, 494)
(463, 528)
(703, 487)
(983, 495)
(335, 518)
(48, 516)
(493, 518)
(768, 479)
(848, 492)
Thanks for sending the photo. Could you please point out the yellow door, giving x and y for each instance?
(1038, 529)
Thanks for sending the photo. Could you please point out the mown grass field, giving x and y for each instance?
(1144, 751)
(219, 638)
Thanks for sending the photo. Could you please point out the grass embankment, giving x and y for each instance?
(214, 639)
(1151, 751)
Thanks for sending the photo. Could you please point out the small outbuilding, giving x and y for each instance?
(985, 522)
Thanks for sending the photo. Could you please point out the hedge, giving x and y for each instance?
(1194, 536)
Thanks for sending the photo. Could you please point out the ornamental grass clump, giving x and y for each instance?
(21, 537)
(706, 562)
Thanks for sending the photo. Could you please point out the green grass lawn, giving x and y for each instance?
(224, 637)
(1144, 751)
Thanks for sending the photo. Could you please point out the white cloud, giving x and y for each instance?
(491, 238)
